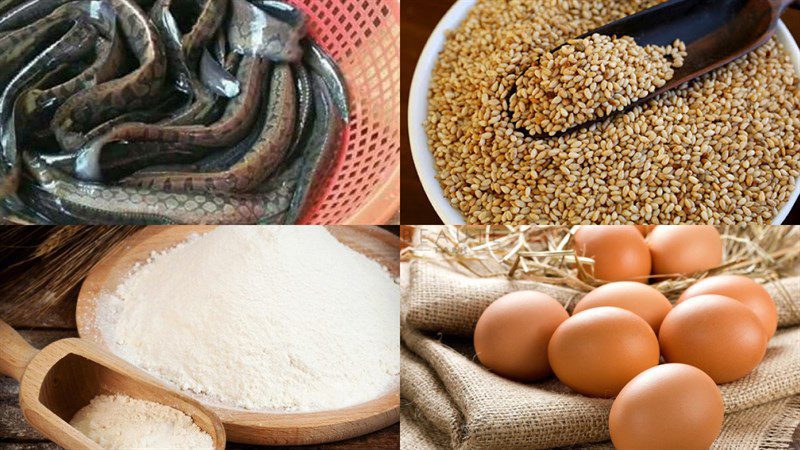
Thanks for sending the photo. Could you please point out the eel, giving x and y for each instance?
(216, 78)
(219, 47)
(208, 104)
(27, 12)
(19, 46)
(254, 32)
(15, 211)
(232, 127)
(121, 159)
(7, 5)
(305, 106)
(283, 11)
(320, 152)
(167, 28)
(92, 108)
(39, 104)
(200, 102)
(263, 156)
(286, 175)
(94, 203)
(326, 68)
(204, 29)
(184, 119)
(74, 44)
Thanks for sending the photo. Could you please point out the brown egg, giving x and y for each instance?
(640, 299)
(596, 352)
(716, 334)
(671, 406)
(619, 251)
(645, 229)
(678, 249)
(743, 289)
(511, 335)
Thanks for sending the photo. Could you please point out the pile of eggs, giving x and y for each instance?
(612, 345)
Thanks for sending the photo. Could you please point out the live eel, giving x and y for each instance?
(81, 117)
(233, 125)
(254, 32)
(38, 105)
(319, 154)
(261, 159)
(113, 205)
(199, 111)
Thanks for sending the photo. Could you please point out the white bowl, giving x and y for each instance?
(418, 112)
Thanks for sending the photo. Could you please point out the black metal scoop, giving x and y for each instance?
(715, 33)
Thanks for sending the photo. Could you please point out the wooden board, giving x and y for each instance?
(250, 426)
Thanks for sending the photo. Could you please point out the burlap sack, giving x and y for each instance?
(450, 400)
(445, 301)
(773, 425)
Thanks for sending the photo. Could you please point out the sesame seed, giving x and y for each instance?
(723, 148)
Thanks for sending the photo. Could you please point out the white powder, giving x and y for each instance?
(121, 422)
(265, 318)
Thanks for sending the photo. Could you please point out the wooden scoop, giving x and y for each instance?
(715, 33)
(64, 376)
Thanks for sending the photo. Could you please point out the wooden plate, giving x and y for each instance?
(244, 426)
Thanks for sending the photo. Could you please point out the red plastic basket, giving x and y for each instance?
(363, 36)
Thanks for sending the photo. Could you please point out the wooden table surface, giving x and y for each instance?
(418, 19)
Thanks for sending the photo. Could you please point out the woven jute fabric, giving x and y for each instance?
(773, 425)
(446, 301)
(451, 401)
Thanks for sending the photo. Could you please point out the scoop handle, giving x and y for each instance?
(15, 352)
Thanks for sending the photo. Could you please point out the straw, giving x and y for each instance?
(545, 254)
(45, 265)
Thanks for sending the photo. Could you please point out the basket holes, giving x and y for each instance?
(356, 34)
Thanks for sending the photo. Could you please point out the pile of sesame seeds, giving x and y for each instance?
(723, 149)
(589, 78)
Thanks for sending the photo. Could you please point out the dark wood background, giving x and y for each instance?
(59, 323)
(418, 19)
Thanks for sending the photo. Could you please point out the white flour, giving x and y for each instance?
(263, 318)
(121, 422)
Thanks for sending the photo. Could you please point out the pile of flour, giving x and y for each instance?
(261, 318)
(121, 422)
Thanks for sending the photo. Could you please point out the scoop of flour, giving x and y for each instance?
(122, 422)
(265, 318)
